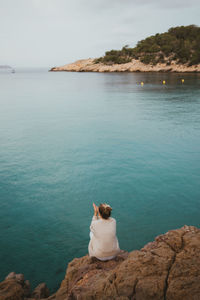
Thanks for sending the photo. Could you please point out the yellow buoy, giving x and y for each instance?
(164, 82)
(142, 83)
(182, 80)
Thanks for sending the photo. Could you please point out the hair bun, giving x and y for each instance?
(107, 207)
(105, 210)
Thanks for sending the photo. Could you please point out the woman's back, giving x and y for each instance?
(103, 243)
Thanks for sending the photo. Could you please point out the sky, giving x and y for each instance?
(48, 33)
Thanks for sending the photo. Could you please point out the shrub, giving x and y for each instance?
(179, 43)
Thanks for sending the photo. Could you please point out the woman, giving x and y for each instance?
(103, 241)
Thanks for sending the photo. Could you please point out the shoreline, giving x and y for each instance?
(135, 66)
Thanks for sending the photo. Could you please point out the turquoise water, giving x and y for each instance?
(68, 139)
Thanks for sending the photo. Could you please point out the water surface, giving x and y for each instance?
(68, 139)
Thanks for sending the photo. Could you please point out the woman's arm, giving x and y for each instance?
(96, 210)
(94, 218)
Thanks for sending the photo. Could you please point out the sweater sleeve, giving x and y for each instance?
(92, 225)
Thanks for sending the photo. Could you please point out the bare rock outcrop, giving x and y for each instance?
(89, 65)
(14, 287)
(166, 269)
(40, 292)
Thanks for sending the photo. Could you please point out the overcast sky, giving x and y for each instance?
(47, 33)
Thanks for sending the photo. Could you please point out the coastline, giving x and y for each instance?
(89, 65)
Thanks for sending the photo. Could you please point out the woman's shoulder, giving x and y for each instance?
(112, 219)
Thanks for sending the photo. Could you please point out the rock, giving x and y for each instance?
(10, 289)
(184, 276)
(41, 291)
(89, 65)
(14, 287)
(11, 275)
(27, 288)
(19, 278)
(168, 269)
(83, 272)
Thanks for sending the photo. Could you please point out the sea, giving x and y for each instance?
(70, 139)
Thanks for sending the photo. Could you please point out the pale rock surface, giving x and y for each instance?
(88, 65)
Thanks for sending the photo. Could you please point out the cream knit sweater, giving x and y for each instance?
(103, 243)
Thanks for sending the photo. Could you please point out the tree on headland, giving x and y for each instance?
(180, 44)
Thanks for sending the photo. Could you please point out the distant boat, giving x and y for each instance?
(6, 68)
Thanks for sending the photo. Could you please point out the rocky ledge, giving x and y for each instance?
(89, 65)
(168, 269)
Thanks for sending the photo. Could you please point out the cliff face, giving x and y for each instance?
(168, 269)
(88, 65)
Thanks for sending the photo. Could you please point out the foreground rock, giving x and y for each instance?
(14, 287)
(89, 65)
(167, 269)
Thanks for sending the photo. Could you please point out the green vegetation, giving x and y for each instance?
(180, 44)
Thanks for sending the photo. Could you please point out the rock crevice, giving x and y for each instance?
(166, 280)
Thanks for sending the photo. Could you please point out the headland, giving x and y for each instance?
(176, 50)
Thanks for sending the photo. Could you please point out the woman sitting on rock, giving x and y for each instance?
(103, 241)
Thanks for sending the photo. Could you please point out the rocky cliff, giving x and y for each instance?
(89, 65)
(167, 269)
